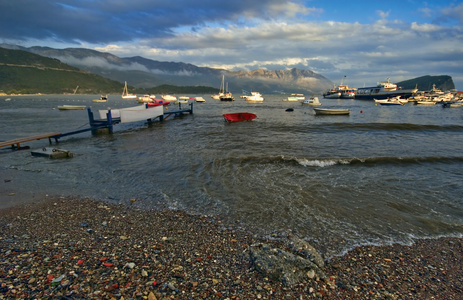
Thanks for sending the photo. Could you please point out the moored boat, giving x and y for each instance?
(227, 97)
(221, 91)
(238, 117)
(255, 97)
(341, 91)
(332, 94)
(71, 107)
(102, 99)
(125, 93)
(314, 101)
(169, 98)
(383, 90)
(331, 111)
(146, 98)
(296, 97)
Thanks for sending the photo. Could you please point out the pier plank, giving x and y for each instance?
(17, 142)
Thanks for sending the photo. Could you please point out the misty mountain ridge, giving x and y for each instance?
(145, 73)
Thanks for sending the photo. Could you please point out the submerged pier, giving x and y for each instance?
(108, 118)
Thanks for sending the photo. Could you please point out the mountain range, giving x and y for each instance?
(141, 72)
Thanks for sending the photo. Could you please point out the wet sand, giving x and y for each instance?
(71, 248)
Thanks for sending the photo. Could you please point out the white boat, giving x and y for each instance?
(147, 99)
(255, 97)
(71, 107)
(126, 95)
(333, 93)
(183, 100)
(314, 101)
(169, 97)
(331, 111)
(430, 102)
(102, 99)
(296, 97)
(341, 91)
(227, 96)
(383, 90)
(200, 99)
(392, 101)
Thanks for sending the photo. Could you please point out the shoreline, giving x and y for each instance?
(84, 248)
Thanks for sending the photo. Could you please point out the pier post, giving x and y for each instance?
(110, 121)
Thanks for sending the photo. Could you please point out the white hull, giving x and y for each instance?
(126, 95)
(169, 98)
(331, 111)
(133, 114)
(71, 107)
(332, 95)
(255, 97)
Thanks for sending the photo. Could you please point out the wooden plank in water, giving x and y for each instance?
(18, 141)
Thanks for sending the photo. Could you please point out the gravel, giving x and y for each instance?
(72, 248)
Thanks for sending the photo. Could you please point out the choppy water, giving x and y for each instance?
(382, 174)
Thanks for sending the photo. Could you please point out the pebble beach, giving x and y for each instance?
(72, 248)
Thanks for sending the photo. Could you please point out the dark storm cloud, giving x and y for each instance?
(109, 21)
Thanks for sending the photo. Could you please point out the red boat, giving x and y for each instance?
(238, 117)
(151, 104)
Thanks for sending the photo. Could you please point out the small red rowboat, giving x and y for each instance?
(152, 104)
(238, 117)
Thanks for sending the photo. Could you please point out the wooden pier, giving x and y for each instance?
(95, 125)
(16, 143)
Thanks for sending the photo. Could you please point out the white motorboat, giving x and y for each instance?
(200, 99)
(146, 98)
(169, 97)
(255, 97)
(102, 99)
(183, 100)
(296, 97)
(314, 101)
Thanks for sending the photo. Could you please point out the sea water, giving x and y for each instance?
(380, 175)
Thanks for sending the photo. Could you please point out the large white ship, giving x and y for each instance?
(383, 90)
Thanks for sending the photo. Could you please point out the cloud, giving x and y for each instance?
(425, 27)
(361, 41)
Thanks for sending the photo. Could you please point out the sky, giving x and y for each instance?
(359, 42)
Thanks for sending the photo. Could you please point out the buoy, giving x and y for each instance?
(361, 111)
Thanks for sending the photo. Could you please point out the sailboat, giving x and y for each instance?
(222, 90)
(125, 93)
(227, 96)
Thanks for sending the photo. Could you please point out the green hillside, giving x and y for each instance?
(425, 83)
(23, 72)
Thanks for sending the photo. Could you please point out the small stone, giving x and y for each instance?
(130, 265)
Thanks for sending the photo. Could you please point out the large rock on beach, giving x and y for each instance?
(304, 249)
(283, 266)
